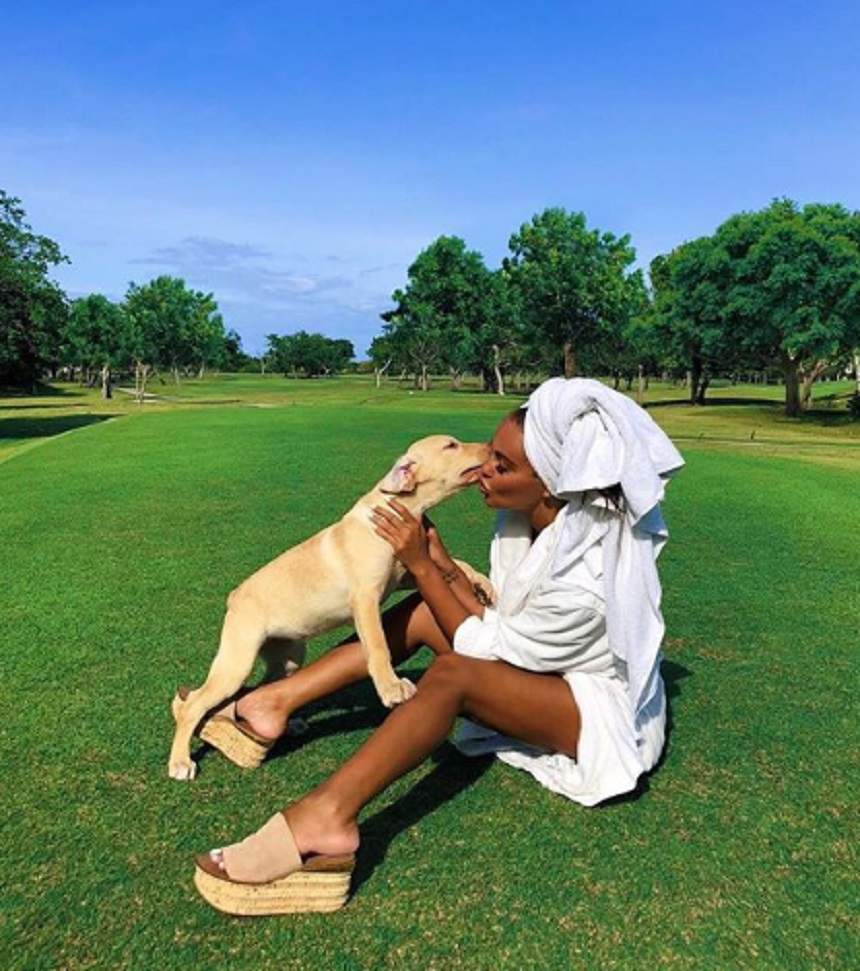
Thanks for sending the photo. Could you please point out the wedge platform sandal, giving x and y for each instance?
(265, 875)
(223, 731)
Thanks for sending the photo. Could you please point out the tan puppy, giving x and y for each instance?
(340, 574)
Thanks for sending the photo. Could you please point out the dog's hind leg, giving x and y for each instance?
(282, 657)
(241, 638)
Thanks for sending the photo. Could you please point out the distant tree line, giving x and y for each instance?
(310, 355)
(771, 291)
(774, 293)
(161, 326)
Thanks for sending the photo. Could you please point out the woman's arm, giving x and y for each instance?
(408, 539)
(456, 579)
(444, 604)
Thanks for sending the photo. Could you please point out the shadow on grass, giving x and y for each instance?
(716, 401)
(22, 429)
(59, 404)
(41, 391)
(452, 773)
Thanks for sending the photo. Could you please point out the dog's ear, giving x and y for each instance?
(401, 477)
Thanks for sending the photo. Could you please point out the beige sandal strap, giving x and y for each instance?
(266, 855)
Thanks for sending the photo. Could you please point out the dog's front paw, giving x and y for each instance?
(182, 769)
(396, 692)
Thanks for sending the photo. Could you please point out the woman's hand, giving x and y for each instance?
(438, 554)
(404, 533)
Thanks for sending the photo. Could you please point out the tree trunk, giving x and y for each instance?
(379, 371)
(202, 370)
(695, 376)
(497, 370)
(176, 374)
(807, 380)
(106, 384)
(488, 379)
(424, 382)
(628, 382)
(857, 371)
(792, 387)
(616, 381)
(569, 360)
(703, 387)
(640, 390)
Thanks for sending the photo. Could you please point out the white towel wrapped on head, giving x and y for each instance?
(581, 436)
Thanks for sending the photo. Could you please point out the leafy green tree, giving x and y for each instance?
(173, 327)
(202, 339)
(626, 347)
(778, 287)
(382, 353)
(33, 309)
(438, 316)
(571, 281)
(314, 354)
(97, 336)
(689, 306)
(794, 296)
(234, 359)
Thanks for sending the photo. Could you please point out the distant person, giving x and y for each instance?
(560, 677)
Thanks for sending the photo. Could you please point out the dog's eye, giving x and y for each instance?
(451, 445)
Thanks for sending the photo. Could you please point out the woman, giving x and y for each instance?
(560, 677)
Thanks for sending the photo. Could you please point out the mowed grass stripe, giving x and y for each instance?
(119, 547)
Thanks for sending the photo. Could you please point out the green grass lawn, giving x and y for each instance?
(120, 543)
(748, 415)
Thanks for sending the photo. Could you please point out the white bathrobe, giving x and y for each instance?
(561, 627)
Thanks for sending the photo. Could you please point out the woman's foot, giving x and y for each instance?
(319, 829)
(315, 829)
(264, 710)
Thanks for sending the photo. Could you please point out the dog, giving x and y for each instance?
(341, 574)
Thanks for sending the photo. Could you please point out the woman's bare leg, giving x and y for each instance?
(537, 708)
(408, 626)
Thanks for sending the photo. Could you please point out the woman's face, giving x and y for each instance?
(507, 480)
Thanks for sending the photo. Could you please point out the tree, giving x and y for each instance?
(794, 298)
(97, 336)
(625, 347)
(33, 309)
(173, 327)
(234, 358)
(570, 281)
(314, 354)
(439, 314)
(690, 286)
(382, 354)
(202, 339)
(777, 287)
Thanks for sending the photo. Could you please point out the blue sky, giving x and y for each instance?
(295, 157)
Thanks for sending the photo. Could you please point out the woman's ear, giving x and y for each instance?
(401, 477)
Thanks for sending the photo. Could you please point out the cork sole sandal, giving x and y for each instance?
(235, 741)
(265, 875)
